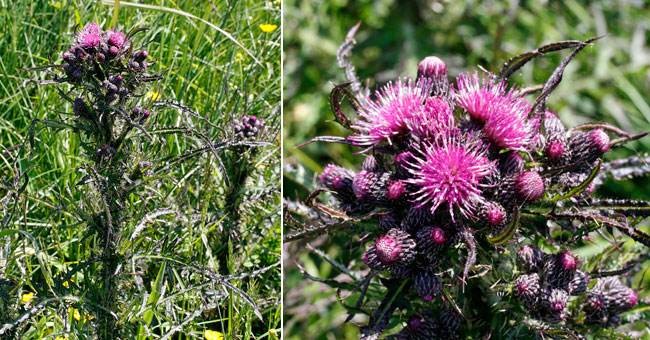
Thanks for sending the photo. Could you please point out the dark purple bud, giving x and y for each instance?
(401, 164)
(527, 288)
(589, 146)
(370, 164)
(554, 303)
(427, 285)
(530, 258)
(363, 183)
(449, 323)
(578, 284)
(113, 51)
(117, 80)
(511, 163)
(101, 57)
(79, 107)
(389, 221)
(76, 73)
(529, 185)
(432, 240)
(123, 91)
(339, 180)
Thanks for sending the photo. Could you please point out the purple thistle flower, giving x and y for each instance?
(90, 41)
(478, 96)
(436, 120)
(504, 113)
(392, 114)
(115, 38)
(339, 180)
(450, 172)
(91, 28)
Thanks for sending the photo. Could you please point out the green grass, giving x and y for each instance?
(606, 82)
(217, 61)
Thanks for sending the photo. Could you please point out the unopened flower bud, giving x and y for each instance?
(530, 258)
(427, 285)
(529, 186)
(396, 248)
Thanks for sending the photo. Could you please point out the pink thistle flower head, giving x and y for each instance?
(116, 38)
(478, 96)
(432, 66)
(450, 172)
(90, 40)
(529, 185)
(436, 120)
(398, 109)
(503, 113)
(90, 29)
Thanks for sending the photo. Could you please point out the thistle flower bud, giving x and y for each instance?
(389, 221)
(432, 66)
(371, 186)
(554, 303)
(529, 185)
(511, 163)
(555, 150)
(578, 284)
(401, 161)
(427, 285)
(560, 269)
(432, 239)
(420, 328)
(527, 289)
(80, 108)
(396, 190)
(492, 214)
(530, 258)
(339, 180)
(370, 164)
(595, 309)
(417, 217)
(396, 248)
(105, 153)
(140, 56)
(589, 146)
(620, 299)
(449, 323)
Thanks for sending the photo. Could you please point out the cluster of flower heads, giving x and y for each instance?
(550, 281)
(108, 72)
(248, 128)
(445, 161)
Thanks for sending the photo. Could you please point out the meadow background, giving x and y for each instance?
(166, 291)
(608, 81)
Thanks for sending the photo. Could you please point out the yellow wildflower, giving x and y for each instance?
(267, 28)
(153, 95)
(27, 297)
(212, 335)
(67, 284)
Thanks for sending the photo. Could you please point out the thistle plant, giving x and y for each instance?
(107, 78)
(465, 196)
